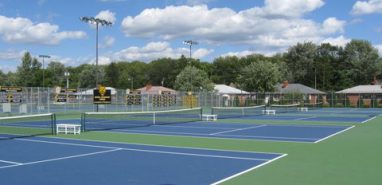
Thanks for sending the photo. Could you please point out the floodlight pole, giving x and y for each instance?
(43, 68)
(98, 22)
(190, 43)
(132, 83)
(67, 74)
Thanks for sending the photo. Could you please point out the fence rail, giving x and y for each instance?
(34, 100)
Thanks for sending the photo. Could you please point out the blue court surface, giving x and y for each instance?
(353, 116)
(272, 132)
(37, 161)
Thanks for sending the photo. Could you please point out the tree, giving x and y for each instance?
(54, 74)
(112, 74)
(134, 73)
(29, 74)
(300, 60)
(87, 77)
(225, 69)
(193, 79)
(259, 76)
(327, 60)
(362, 61)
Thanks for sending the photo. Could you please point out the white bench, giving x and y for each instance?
(68, 128)
(268, 112)
(208, 117)
(303, 109)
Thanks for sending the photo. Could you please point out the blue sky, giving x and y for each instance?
(150, 29)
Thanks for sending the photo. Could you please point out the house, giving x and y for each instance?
(309, 95)
(230, 95)
(361, 95)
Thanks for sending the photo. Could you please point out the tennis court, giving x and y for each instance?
(293, 113)
(271, 132)
(183, 123)
(61, 162)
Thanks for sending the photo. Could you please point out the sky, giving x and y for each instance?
(146, 30)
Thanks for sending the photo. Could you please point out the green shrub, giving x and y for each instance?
(339, 105)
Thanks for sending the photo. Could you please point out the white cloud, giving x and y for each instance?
(337, 41)
(202, 52)
(379, 47)
(155, 50)
(102, 60)
(288, 8)
(257, 26)
(6, 69)
(23, 30)
(250, 52)
(107, 15)
(333, 25)
(367, 7)
(11, 55)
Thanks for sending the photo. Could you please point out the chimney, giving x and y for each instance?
(285, 84)
(148, 87)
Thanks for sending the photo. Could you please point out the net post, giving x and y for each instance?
(83, 122)
(53, 123)
(153, 118)
(201, 114)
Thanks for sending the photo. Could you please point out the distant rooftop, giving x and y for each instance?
(286, 88)
(225, 89)
(362, 89)
(148, 89)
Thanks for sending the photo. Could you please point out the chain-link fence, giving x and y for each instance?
(33, 100)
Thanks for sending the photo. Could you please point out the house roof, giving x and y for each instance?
(155, 89)
(293, 88)
(362, 89)
(224, 89)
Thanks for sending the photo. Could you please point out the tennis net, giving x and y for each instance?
(121, 120)
(232, 112)
(285, 108)
(27, 125)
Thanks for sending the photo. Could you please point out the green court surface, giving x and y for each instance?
(352, 158)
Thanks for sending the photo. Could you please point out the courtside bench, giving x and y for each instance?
(68, 128)
(268, 112)
(208, 117)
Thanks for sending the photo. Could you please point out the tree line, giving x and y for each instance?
(325, 67)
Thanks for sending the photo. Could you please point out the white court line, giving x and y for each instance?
(153, 131)
(248, 170)
(201, 127)
(205, 136)
(166, 146)
(271, 137)
(369, 119)
(327, 137)
(305, 118)
(200, 135)
(197, 155)
(151, 151)
(10, 162)
(63, 158)
(234, 130)
(71, 144)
